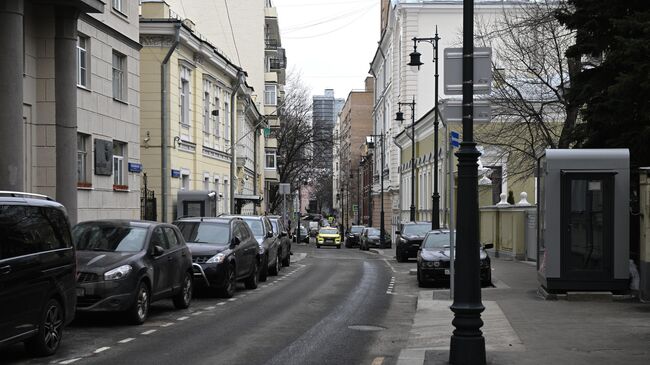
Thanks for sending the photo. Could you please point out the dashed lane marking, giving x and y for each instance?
(70, 361)
(182, 318)
(197, 313)
(101, 349)
(232, 299)
(148, 332)
(222, 303)
(389, 265)
(210, 308)
(126, 340)
(378, 361)
(167, 324)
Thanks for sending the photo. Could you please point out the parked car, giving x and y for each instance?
(125, 265)
(434, 259)
(409, 239)
(224, 251)
(304, 235)
(352, 238)
(328, 236)
(313, 228)
(269, 244)
(285, 242)
(37, 272)
(371, 237)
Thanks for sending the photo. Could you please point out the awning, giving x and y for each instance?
(251, 198)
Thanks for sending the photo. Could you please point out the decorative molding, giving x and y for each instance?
(155, 40)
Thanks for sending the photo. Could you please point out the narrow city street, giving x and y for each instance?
(331, 306)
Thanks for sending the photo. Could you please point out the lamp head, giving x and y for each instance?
(415, 59)
(399, 116)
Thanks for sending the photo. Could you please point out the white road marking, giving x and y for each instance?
(210, 308)
(389, 265)
(167, 324)
(126, 340)
(70, 361)
(232, 299)
(222, 303)
(148, 332)
(182, 318)
(197, 313)
(101, 349)
(378, 361)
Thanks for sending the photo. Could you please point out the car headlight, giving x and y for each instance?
(428, 264)
(216, 259)
(118, 273)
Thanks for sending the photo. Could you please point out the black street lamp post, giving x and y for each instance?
(415, 61)
(467, 342)
(382, 233)
(400, 118)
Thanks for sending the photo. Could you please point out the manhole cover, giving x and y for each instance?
(362, 327)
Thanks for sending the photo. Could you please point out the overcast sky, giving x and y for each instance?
(330, 42)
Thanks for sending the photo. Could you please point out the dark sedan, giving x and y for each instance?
(224, 251)
(125, 265)
(409, 239)
(352, 238)
(433, 260)
(371, 237)
(282, 232)
(269, 244)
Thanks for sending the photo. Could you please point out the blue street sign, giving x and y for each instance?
(176, 173)
(135, 167)
(455, 139)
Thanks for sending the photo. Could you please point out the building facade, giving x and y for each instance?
(325, 110)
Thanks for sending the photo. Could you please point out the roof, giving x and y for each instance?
(123, 222)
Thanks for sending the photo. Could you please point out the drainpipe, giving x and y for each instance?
(233, 154)
(164, 121)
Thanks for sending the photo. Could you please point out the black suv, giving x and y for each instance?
(224, 251)
(37, 272)
(409, 239)
(352, 237)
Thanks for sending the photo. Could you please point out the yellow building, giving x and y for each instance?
(195, 106)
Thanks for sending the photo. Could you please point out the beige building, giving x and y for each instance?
(70, 123)
(200, 126)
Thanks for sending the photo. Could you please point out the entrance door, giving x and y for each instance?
(587, 226)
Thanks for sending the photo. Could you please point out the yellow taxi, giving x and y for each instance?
(328, 236)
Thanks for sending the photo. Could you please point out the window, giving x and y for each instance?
(172, 239)
(216, 190)
(118, 163)
(185, 181)
(185, 96)
(82, 61)
(217, 107)
(119, 76)
(270, 95)
(117, 5)
(27, 230)
(83, 142)
(225, 197)
(226, 118)
(206, 183)
(270, 160)
(207, 86)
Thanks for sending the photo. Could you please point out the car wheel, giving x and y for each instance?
(264, 269)
(287, 260)
(251, 281)
(399, 256)
(275, 269)
(182, 300)
(140, 309)
(50, 330)
(338, 246)
(231, 283)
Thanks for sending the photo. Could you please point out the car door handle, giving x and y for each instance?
(5, 270)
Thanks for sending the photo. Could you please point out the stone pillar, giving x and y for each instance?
(65, 89)
(12, 162)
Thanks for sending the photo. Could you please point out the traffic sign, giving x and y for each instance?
(454, 139)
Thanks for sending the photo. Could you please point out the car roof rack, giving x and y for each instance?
(18, 194)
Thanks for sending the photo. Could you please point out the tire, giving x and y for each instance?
(139, 311)
(50, 330)
(251, 281)
(183, 299)
(228, 291)
(275, 269)
(317, 245)
(287, 260)
(399, 256)
(420, 281)
(339, 246)
(264, 269)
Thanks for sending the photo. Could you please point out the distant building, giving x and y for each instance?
(325, 110)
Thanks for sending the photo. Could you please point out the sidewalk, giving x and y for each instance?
(521, 328)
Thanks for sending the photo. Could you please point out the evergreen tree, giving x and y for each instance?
(613, 87)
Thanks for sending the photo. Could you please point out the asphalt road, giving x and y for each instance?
(335, 306)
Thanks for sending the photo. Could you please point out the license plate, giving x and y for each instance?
(81, 292)
(446, 271)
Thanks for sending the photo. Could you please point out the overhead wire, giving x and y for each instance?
(232, 32)
(336, 17)
(332, 30)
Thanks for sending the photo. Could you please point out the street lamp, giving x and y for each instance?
(371, 144)
(342, 205)
(399, 116)
(415, 61)
(467, 342)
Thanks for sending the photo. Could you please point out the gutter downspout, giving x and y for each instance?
(164, 122)
(233, 159)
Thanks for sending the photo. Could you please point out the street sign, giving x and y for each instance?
(452, 111)
(285, 188)
(453, 71)
(454, 139)
(355, 208)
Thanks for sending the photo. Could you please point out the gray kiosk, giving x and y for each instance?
(196, 203)
(583, 225)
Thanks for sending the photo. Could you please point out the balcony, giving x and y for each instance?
(271, 77)
(271, 175)
(271, 143)
(272, 43)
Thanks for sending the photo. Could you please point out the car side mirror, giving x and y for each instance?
(398, 232)
(269, 234)
(283, 233)
(234, 242)
(158, 250)
(488, 246)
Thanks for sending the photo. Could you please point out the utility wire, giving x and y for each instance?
(332, 30)
(336, 17)
(232, 32)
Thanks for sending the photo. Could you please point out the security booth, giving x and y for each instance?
(196, 203)
(583, 220)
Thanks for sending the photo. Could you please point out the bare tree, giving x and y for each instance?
(298, 145)
(531, 72)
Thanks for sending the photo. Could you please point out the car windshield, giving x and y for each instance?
(436, 240)
(256, 226)
(274, 223)
(419, 229)
(329, 231)
(356, 229)
(108, 237)
(373, 232)
(205, 232)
